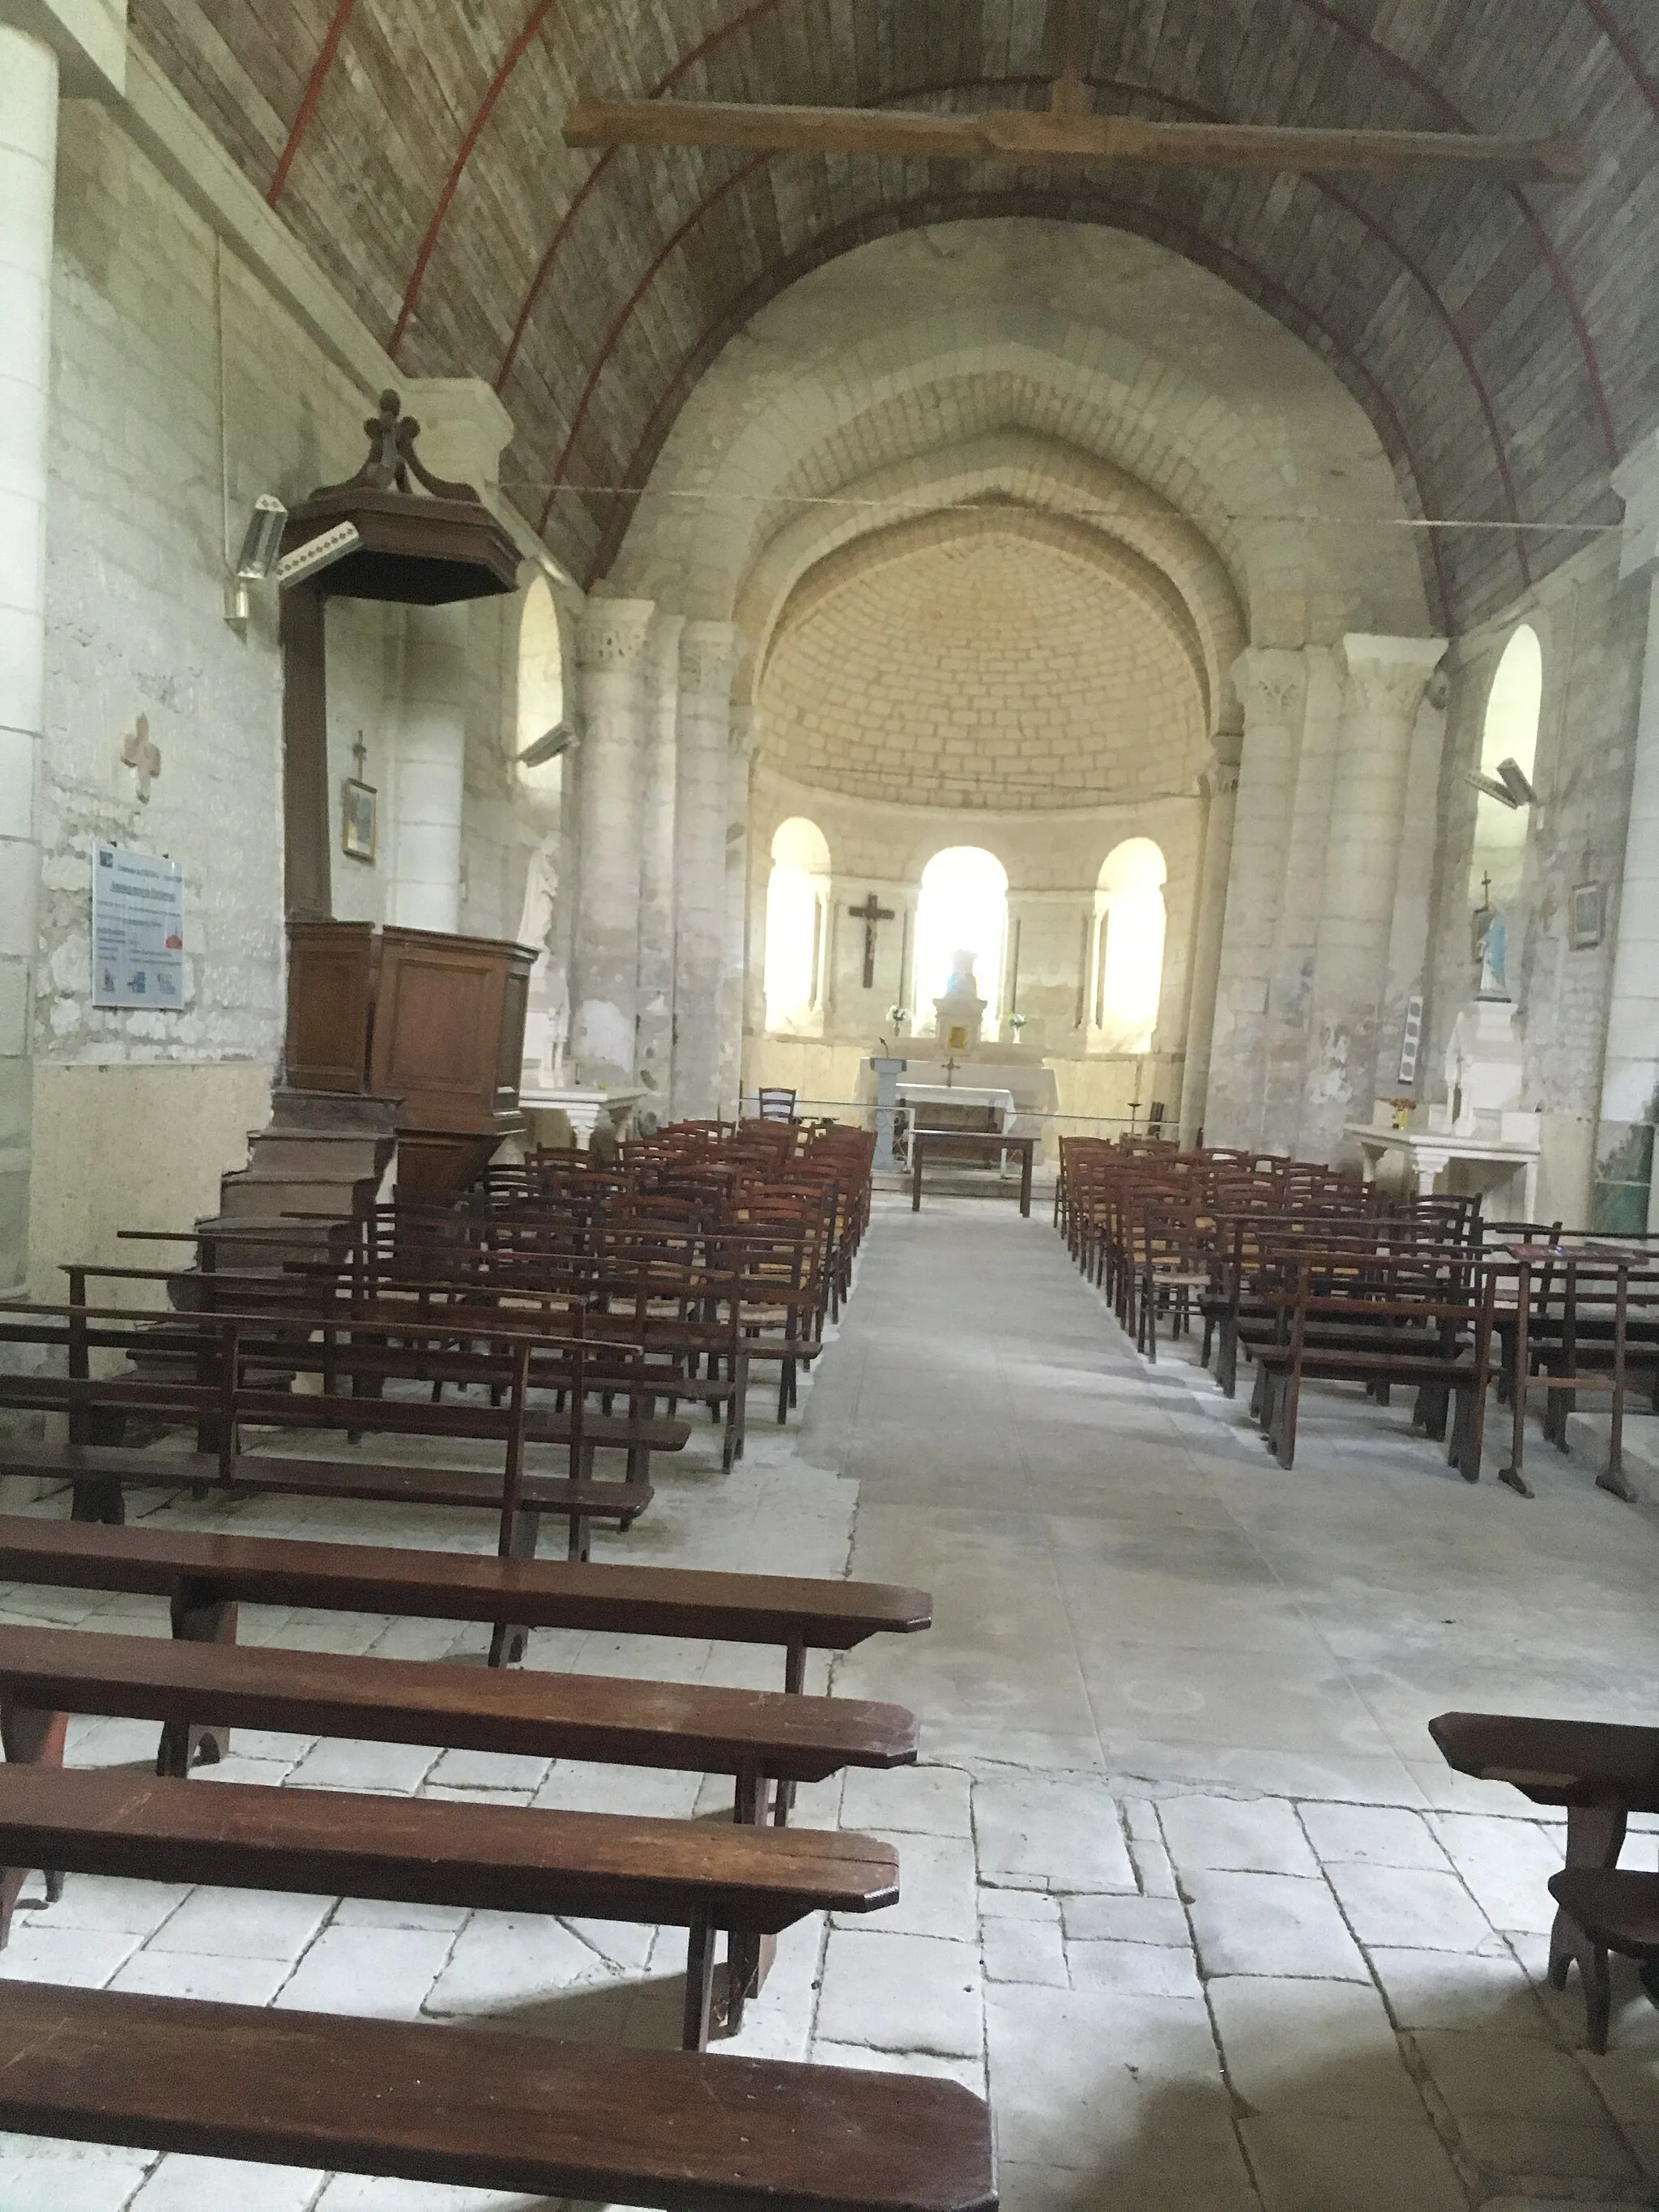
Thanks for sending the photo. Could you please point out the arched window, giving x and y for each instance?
(539, 731)
(1508, 734)
(797, 924)
(964, 907)
(1128, 948)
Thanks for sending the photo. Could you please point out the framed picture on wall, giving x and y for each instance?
(360, 819)
(1584, 917)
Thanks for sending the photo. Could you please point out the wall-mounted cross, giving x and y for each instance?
(870, 913)
(141, 756)
(359, 755)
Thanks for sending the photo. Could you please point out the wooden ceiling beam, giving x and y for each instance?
(1058, 136)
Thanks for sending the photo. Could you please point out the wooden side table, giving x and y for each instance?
(987, 1142)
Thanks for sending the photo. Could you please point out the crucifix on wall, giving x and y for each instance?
(870, 913)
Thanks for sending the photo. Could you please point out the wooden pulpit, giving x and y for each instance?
(433, 1021)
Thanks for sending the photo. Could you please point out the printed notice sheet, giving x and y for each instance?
(137, 930)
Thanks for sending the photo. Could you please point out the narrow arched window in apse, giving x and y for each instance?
(540, 734)
(1508, 734)
(796, 918)
(963, 908)
(1130, 923)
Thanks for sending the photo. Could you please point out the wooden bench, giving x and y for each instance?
(204, 1577)
(1611, 1909)
(102, 1475)
(223, 1372)
(47, 1673)
(412, 1851)
(477, 2108)
(1600, 1771)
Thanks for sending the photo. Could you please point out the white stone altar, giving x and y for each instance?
(583, 1110)
(1000, 1101)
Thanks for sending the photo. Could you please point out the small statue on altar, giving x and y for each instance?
(1494, 950)
(959, 1009)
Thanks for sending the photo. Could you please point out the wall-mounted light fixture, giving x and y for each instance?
(260, 539)
(318, 552)
(549, 746)
(1510, 787)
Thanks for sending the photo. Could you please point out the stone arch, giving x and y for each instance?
(1101, 508)
(1156, 384)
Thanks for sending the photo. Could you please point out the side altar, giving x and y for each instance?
(1478, 1137)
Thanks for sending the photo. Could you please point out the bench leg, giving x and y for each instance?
(100, 1498)
(1595, 1836)
(198, 1617)
(699, 1984)
(29, 1738)
(507, 1639)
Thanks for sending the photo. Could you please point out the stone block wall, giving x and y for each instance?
(1591, 627)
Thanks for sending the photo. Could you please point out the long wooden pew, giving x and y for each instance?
(604, 1866)
(204, 1575)
(476, 2108)
(47, 1673)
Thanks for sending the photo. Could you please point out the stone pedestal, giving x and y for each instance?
(887, 1072)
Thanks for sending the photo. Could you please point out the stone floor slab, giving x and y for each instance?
(1260, 1835)
(1351, 2165)
(1272, 1924)
(1311, 2049)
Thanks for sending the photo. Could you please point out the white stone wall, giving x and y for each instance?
(1592, 628)
(138, 527)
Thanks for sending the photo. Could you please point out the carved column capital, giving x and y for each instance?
(1389, 676)
(612, 635)
(664, 656)
(1270, 681)
(708, 653)
(742, 735)
(1220, 777)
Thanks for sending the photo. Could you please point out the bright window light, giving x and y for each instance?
(964, 907)
(796, 898)
(1129, 945)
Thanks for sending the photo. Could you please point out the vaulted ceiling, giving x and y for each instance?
(1497, 335)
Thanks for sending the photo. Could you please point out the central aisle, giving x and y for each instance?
(1232, 1934)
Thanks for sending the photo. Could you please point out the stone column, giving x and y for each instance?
(28, 152)
(1623, 1194)
(656, 1000)
(1295, 935)
(707, 651)
(1271, 683)
(1215, 863)
(1387, 678)
(429, 772)
(604, 984)
(741, 980)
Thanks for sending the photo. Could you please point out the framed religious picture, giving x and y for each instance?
(1584, 917)
(360, 819)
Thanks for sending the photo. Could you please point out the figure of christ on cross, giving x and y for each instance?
(870, 913)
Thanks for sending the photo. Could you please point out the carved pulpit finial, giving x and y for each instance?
(392, 460)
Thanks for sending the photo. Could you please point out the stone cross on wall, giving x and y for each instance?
(870, 913)
(141, 756)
